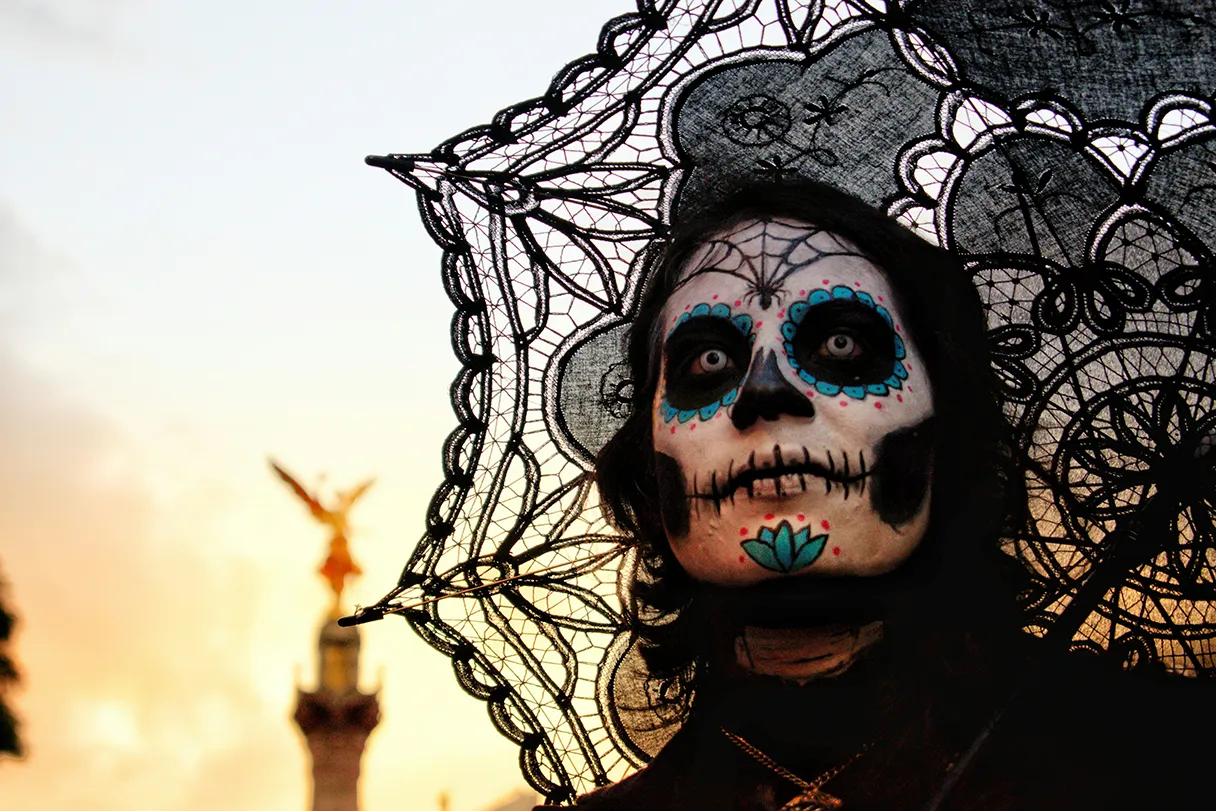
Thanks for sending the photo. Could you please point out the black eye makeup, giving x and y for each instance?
(706, 358)
(842, 341)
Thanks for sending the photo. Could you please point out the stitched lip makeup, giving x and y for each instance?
(783, 475)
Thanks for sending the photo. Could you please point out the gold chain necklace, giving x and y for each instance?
(812, 798)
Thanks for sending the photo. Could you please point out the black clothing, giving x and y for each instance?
(1073, 736)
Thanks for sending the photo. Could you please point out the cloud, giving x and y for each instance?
(165, 588)
(66, 25)
(137, 654)
(22, 260)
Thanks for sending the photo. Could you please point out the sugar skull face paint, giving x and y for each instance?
(793, 419)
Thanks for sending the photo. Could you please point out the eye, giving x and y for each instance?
(706, 358)
(840, 345)
(845, 343)
(711, 361)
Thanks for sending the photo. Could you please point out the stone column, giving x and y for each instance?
(336, 720)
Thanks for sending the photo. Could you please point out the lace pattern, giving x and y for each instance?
(1064, 149)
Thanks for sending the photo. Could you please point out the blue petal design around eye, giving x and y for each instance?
(699, 310)
(685, 416)
(709, 410)
(830, 389)
(788, 330)
(743, 321)
(894, 382)
(855, 392)
(900, 371)
(720, 310)
(900, 351)
(886, 316)
(669, 413)
(797, 311)
(806, 377)
(878, 388)
(865, 298)
(842, 292)
(819, 297)
(730, 397)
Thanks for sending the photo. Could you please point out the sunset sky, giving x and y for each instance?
(197, 271)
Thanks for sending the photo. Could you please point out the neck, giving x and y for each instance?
(802, 655)
(804, 693)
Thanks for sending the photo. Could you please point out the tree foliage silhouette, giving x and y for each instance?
(9, 741)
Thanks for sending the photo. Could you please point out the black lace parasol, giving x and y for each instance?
(1065, 149)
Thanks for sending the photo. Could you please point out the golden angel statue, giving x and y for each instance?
(338, 564)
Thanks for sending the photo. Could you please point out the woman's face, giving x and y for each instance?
(793, 417)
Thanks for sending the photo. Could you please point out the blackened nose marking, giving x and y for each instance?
(766, 394)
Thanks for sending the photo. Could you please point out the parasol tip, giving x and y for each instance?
(361, 616)
(389, 162)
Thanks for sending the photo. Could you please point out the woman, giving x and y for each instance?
(820, 599)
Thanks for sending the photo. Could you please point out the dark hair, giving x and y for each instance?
(976, 489)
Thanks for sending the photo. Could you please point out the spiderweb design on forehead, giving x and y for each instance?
(1083, 204)
(763, 254)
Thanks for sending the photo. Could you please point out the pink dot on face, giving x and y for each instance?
(826, 526)
(715, 296)
(768, 517)
(801, 517)
(810, 393)
(742, 530)
(741, 559)
(857, 284)
(692, 427)
(825, 281)
(880, 298)
(835, 550)
(759, 323)
(908, 366)
(781, 313)
(878, 405)
(844, 403)
(898, 328)
(909, 389)
(673, 429)
(737, 303)
(687, 306)
(899, 397)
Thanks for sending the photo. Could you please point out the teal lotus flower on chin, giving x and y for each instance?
(784, 550)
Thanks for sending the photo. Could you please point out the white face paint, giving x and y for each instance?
(791, 420)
